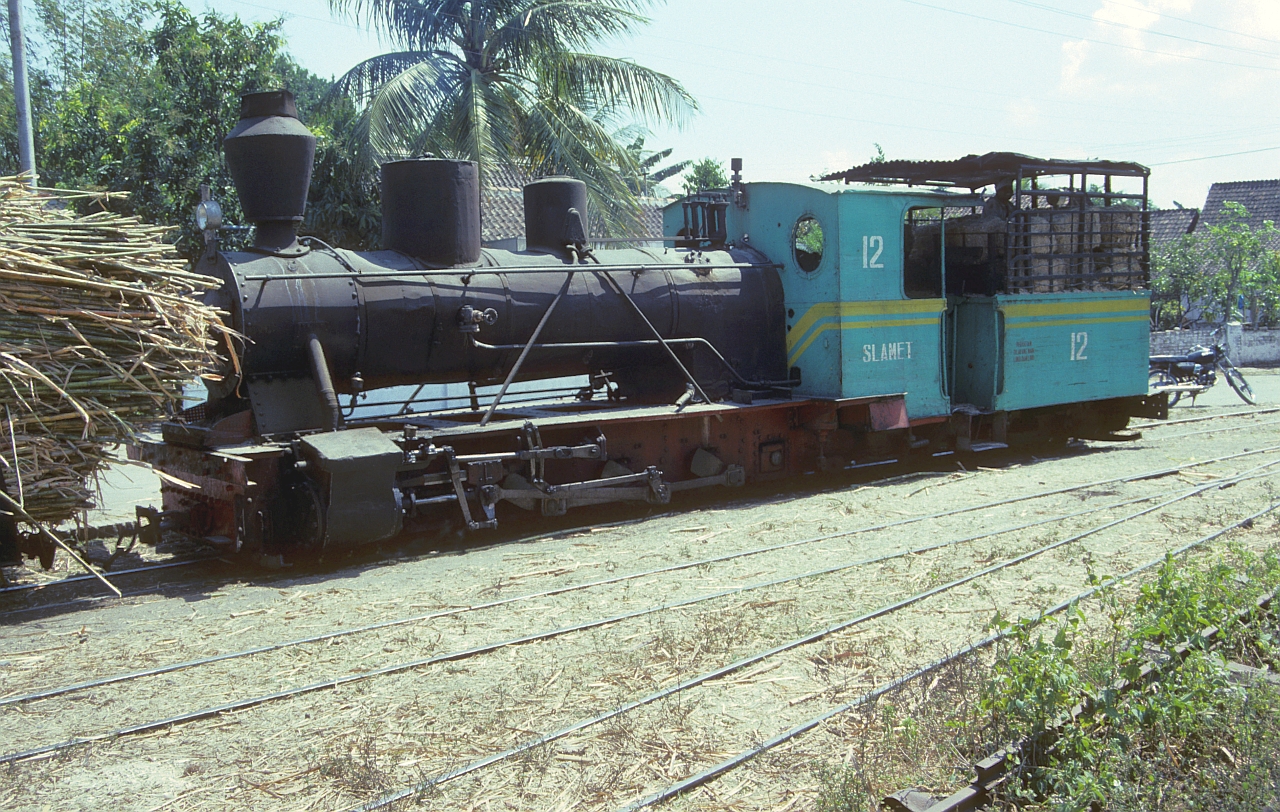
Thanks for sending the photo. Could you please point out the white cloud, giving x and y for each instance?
(842, 159)
(1261, 18)
(1074, 55)
(1140, 64)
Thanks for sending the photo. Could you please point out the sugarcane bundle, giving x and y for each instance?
(100, 328)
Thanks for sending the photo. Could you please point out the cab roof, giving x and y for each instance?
(976, 171)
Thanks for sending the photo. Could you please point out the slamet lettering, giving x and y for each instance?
(898, 351)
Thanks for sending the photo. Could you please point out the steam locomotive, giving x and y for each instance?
(782, 329)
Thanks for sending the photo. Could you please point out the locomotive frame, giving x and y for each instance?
(736, 354)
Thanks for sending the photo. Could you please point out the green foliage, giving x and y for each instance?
(705, 174)
(1228, 261)
(1239, 262)
(1128, 753)
(842, 788)
(138, 97)
(512, 83)
(1177, 280)
(344, 206)
(645, 182)
(809, 237)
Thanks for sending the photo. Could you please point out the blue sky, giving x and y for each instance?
(797, 88)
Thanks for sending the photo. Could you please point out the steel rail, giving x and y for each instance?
(702, 777)
(990, 772)
(1159, 424)
(77, 578)
(1149, 475)
(549, 535)
(591, 624)
(747, 661)
(1220, 430)
(168, 669)
(96, 683)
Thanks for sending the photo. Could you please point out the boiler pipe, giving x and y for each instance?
(324, 383)
(612, 345)
(521, 269)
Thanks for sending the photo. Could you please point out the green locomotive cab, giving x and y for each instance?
(994, 294)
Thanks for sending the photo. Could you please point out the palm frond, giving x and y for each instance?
(409, 24)
(405, 106)
(509, 82)
(668, 171)
(564, 139)
(362, 83)
(609, 83)
(546, 27)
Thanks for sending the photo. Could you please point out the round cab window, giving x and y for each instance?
(809, 243)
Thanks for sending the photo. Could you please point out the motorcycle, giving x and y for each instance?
(1193, 373)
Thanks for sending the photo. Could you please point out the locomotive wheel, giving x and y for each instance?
(1237, 382)
(297, 520)
(1158, 381)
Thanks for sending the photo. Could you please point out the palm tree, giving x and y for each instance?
(648, 175)
(511, 82)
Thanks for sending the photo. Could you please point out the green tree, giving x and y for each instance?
(1266, 297)
(705, 174)
(511, 82)
(809, 237)
(138, 98)
(1178, 280)
(1238, 260)
(648, 175)
(1217, 268)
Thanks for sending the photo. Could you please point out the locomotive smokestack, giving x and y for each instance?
(270, 155)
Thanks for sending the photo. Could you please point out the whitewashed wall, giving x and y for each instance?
(1246, 347)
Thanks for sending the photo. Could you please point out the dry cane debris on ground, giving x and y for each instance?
(100, 330)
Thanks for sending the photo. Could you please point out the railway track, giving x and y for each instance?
(1159, 424)
(702, 777)
(702, 679)
(712, 601)
(88, 600)
(620, 579)
(76, 579)
(963, 798)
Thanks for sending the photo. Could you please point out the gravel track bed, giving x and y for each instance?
(339, 747)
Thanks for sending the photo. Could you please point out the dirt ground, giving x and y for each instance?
(391, 724)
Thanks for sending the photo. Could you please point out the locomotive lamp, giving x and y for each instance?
(208, 215)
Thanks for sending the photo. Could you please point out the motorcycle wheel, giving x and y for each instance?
(1237, 382)
(1159, 381)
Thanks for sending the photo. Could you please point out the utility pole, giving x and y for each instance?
(21, 96)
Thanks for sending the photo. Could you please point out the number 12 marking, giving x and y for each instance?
(1078, 342)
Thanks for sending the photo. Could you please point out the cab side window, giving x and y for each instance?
(922, 253)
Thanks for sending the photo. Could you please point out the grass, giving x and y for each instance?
(1193, 740)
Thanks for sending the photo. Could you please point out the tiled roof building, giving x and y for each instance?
(1168, 225)
(502, 210)
(1260, 197)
